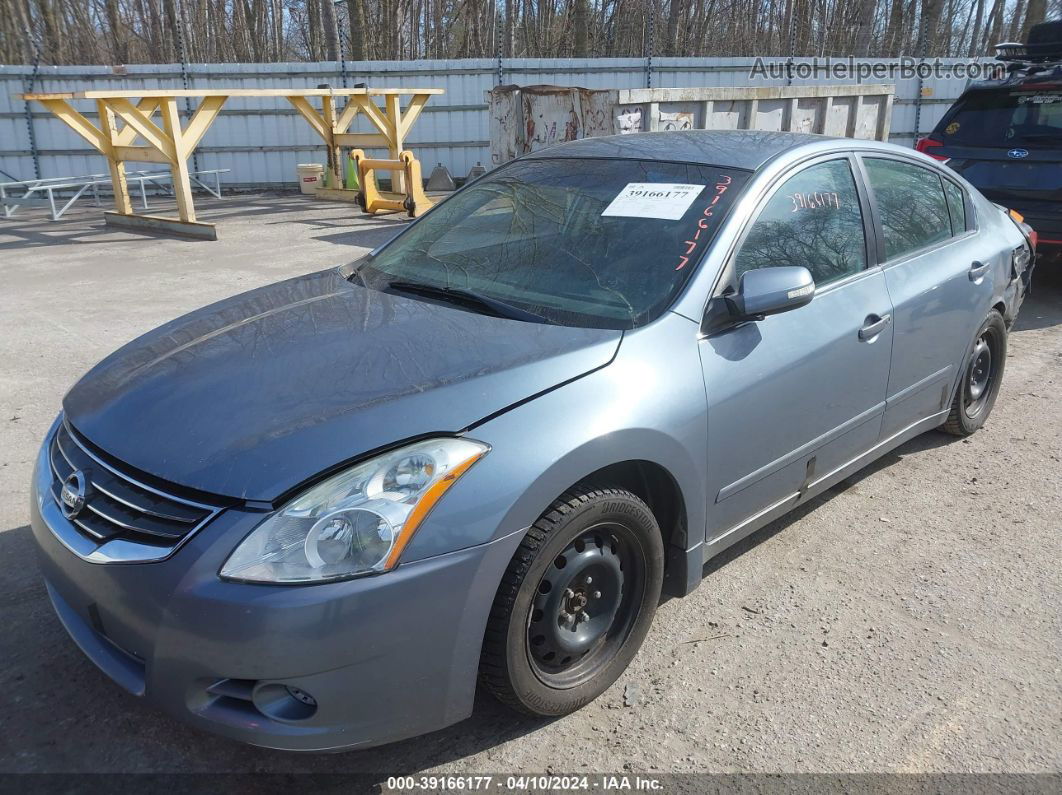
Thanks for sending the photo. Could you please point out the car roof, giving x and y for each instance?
(744, 149)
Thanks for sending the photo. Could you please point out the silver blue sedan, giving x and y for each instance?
(320, 514)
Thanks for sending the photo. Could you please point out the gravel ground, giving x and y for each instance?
(908, 620)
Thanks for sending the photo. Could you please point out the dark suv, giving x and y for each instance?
(1005, 136)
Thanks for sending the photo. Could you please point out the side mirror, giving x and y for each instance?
(768, 291)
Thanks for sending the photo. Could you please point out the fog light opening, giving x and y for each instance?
(284, 702)
(302, 695)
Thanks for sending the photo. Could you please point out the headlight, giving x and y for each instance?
(356, 522)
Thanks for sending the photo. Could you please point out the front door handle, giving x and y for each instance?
(873, 326)
(977, 270)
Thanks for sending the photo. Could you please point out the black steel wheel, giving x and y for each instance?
(981, 376)
(575, 603)
(979, 372)
(583, 606)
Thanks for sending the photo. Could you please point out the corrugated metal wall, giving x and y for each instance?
(262, 140)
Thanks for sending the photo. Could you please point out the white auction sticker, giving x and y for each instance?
(665, 200)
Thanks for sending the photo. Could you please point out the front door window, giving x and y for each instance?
(813, 219)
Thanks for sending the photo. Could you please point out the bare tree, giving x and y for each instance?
(146, 31)
(331, 32)
(582, 25)
(1036, 13)
(928, 23)
(356, 20)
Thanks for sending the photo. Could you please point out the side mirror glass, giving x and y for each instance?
(768, 291)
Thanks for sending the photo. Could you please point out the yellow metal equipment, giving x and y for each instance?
(126, 117)
(405, 174)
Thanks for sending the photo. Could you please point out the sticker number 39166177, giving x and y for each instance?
(701, 233)
(818, 200)
(664, 200)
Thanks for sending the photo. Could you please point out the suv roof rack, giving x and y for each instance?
(1042, 50)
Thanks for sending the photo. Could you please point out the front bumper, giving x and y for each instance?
(310, 668)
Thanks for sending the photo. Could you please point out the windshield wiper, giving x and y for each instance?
(467, 299)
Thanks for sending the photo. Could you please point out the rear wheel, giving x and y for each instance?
(981, 377)
(575, 603)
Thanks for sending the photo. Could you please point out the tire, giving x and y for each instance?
(583, 587)
(982, 373)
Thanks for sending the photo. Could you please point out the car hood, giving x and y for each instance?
(255, 395)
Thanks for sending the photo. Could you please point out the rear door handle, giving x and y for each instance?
(873, 326)
(977, 270)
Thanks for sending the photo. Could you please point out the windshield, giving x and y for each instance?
(593, 243)
(1028, 119)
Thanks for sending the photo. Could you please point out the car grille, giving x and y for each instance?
(117, 506)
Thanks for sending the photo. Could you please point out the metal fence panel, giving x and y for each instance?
(263, 139)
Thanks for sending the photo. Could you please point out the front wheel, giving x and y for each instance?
(981, 376)
(575, 603)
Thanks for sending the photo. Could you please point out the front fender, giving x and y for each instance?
(648, 405)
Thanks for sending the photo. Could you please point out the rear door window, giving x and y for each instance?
(1007, 118)
(911, 205)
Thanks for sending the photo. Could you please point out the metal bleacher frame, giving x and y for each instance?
(32, 188)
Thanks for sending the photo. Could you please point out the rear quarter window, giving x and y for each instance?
(956, 206)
